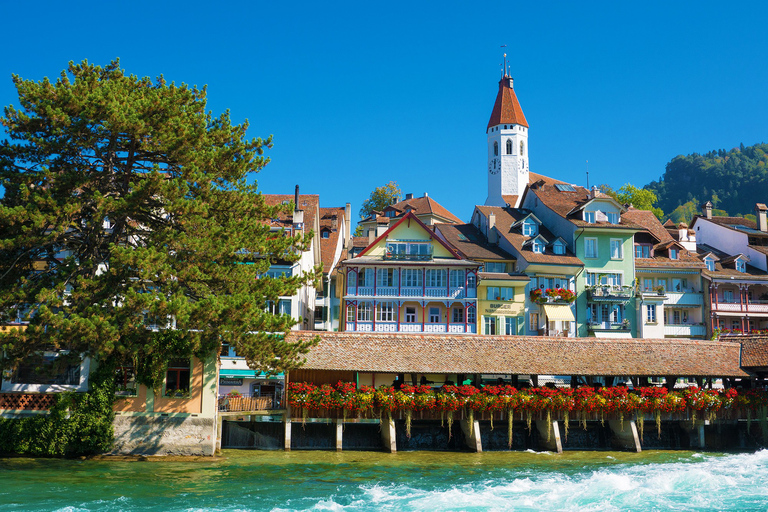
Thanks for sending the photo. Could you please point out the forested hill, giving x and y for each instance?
(733, 180)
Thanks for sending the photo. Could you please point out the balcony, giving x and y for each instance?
(609, 293)
(684, 299)
(688, 330)
(406, 292)
(457, 328)
(242, 403)
(753, 306)
(609, 326)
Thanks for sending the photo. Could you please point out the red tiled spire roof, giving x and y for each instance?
(507, 109)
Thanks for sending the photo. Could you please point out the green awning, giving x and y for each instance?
(247, 374)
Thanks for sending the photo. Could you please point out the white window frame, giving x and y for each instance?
(617, 252)
(410, 314)
(710, 264)
(613, 218)
(589, 217)
(364, 311)
(650, 313)
(587, 253)
(386, 311)
(456, 278)
(530, 228)
(434, 315)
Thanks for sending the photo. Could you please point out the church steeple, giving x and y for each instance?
(507, 133)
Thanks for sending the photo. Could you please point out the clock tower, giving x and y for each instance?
(507, 133)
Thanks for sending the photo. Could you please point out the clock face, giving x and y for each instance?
(494, 166)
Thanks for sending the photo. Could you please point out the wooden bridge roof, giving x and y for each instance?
(448, 353)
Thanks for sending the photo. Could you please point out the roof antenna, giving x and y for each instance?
(504, 70)
(587, 174)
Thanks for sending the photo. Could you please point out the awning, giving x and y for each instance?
(556, 312)
(247, 374)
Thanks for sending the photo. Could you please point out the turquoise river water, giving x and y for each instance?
(313, 480)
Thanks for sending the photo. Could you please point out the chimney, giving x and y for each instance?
(491, 233)
(761, 212)
(408, 196)
(593, 192)
(298, 215)
(708, 210)
(426, 194)
(348, 225)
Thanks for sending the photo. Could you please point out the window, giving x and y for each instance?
(710, 264)
(385, 312)
(177, 377)
(647, 284)
(741, 266)
(492, 293)
(510, 325)
(558, 247)
(613, 218)
(606, 279)
(369, 277)
(495, 148)
(489, 325)
(364, 312)
(457, 278)
(533, 322)
(325, 234)
(530, 228)
(728, 296)
(538, 246)
(125, 379)
(470, 282)
(679, 285)
(642, 251)
(509, 146)
(434, 315)
(616, 314)
(522, 149)
(672, 253)
(471, 318)
(410, 315)
(496, 266)
(616, 252)
(590, 247)
(411, 277)
(662, 283)
(650, 315)
(676, 316)
(385, 277)
(350, 313)
(458, 315)
(351, 281)
(436, 278)
(589, 217)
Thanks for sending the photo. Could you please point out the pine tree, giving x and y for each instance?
(127, 205)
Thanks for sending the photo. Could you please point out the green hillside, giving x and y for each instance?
(733, 180)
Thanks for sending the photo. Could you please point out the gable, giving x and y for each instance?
(411, 231)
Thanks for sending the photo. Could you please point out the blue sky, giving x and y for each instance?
(360, 93)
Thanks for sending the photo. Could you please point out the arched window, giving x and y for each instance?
(495, 149)
(522, 149)
(509, 146)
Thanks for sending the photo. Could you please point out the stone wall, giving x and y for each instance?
(164, 435)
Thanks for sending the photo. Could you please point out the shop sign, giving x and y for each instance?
(224, 381)
(499, 308)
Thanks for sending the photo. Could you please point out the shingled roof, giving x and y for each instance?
(754, 351)
(331, 219)
(507, 109)
(446, 353)
(471, 243)
(421, 206)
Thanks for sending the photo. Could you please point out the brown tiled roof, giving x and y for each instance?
(410, 353)
(474, 245)
(360, 241)
(422, 206)
(648, 221)
(754, 351)
(507, 217)
(564, 203)
(307, 202)
(751, 274)
(511, 200)
(328, 245)
(507, 109)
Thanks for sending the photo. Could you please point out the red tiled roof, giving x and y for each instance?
(471, 243)
(564, 203)
(648, 221)
(754, 351)
(507, 109)
(507, 217)
(307, 202)
(328, 245)
(446, 353)
(422, 206)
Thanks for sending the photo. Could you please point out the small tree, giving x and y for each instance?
(126, 205)
(642, 199)
(380, 198)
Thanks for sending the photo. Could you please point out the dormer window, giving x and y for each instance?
(530, 228)
(673, 253)
(495, 148)
(741, 266)
(613, 218)
(589, 217)
(710, 264)
(558, 247)
(538, 246)
(326, 233)
(509, 146)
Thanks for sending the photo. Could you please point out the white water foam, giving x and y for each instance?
(711, 482)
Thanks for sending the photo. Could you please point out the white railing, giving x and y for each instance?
(410, 327)
(457, 328)
(684, 330)
(434, 328)
(440, 292)
(684, 299)
(730, 306)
